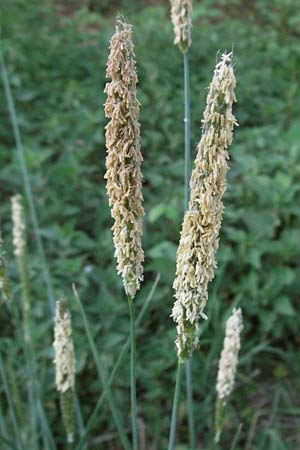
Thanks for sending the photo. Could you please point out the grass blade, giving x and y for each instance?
(236, 437)
(124, 350)
(101, 374)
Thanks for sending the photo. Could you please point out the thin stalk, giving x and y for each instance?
(122, 354)
(175, 407)
(101, 374)
(26, 181)
(187, 130)
(132, 374)
(187, 173)
(236, 437)
(190, 405)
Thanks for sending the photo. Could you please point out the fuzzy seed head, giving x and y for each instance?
(123, 161)
(229, 356)
(199, 239)
(64, 349)
(18, 225)
(181, 11)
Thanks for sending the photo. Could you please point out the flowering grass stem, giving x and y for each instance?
(175, 406)
(132, 374)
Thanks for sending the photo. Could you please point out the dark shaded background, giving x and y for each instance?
(56, 54)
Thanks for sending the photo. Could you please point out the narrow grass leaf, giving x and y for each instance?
(124, 350)
(101, 374)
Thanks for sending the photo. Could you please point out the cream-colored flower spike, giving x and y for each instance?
(181, 17)
(200, 230)
(229, 356)
(65, 365)
(18, 225)
(123, 161)
(64, 350)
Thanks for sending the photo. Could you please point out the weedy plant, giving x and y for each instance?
(196, 252)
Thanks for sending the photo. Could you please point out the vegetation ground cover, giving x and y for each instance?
(56, 55)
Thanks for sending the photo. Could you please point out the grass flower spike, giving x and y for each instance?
(227, 367)
(124, 179)
(229, 357)
(18, 225)
(200, 230)
(181, 17)
(65, 365)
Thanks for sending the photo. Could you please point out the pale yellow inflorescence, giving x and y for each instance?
(18, 225)
(64, 349)
(199, 239)
(181, 11)
(229, 356)
(123, 161)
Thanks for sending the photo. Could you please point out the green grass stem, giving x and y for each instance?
(187, 174)
(133, 374)
(190, 404)
(187, 129)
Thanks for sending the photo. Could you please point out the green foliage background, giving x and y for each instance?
(56, 53)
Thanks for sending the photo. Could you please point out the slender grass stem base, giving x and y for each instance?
(190, 404)
(132, 374)
(175, 407)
